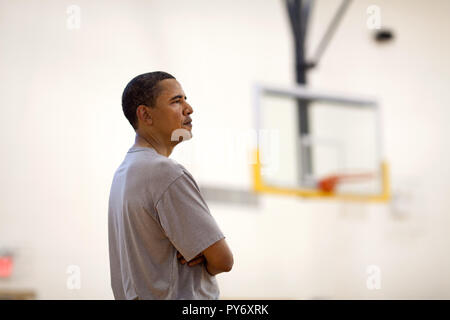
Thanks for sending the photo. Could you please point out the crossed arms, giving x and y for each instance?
(217, 258)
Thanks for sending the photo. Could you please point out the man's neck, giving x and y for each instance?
(148, 142)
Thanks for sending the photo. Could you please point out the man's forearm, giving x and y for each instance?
(211, 270)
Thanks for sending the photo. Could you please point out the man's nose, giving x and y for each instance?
(188, 110)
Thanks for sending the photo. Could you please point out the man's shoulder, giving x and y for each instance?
(147, 172)
(156, 166)
(167, 167)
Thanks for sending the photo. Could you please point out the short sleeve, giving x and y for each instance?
(185, 218)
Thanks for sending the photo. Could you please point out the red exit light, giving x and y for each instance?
(6, 265)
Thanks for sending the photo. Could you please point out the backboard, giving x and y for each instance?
(340, 155)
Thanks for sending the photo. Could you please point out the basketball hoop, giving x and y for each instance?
(329, 183)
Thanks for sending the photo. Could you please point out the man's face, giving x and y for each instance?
(171, 112)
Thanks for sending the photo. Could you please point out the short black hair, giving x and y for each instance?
(142, 89)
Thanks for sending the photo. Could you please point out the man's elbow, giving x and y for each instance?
(219, 257)
(225, 265)
(229, 265)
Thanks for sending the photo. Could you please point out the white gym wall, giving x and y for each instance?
(63, 134)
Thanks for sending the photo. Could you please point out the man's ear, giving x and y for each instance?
(143, 114)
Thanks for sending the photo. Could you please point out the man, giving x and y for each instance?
(163, 241)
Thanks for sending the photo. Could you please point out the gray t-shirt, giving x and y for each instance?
(155, 209)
